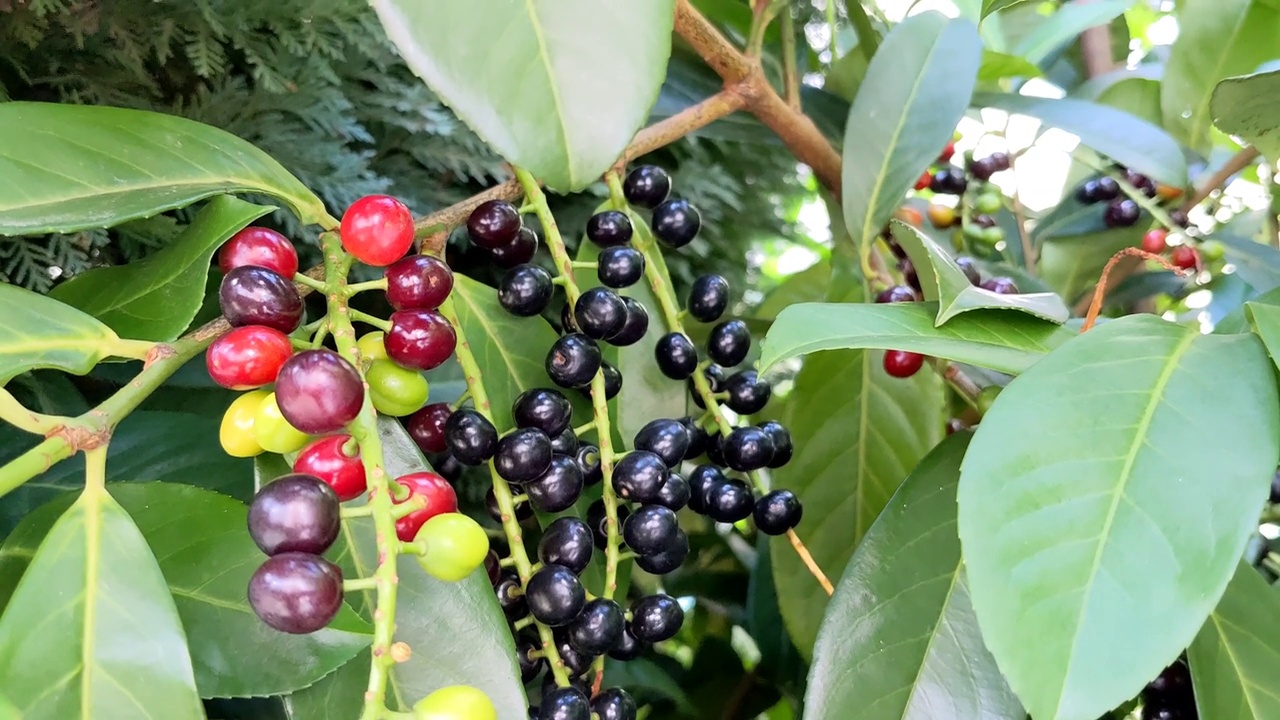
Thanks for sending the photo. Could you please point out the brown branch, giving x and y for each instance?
(1237, 163)
(809, 562)
(1095, 49)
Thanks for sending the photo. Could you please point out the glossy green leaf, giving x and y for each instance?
(998, 66)
(1004, 341)
(945, 283)
(1072, 265)
(1264, 318)
(157, 297)
(899, 639)
(1235, 655)
(91, 631)
(75, 167)
(1105, 501)
(1138, 96)
(40, 332)
(916, 89)
(808, 285)
(1256, 263)
(1065, 26)
(1217, 39)
(1124, 138)
(990, 6)
(1247, 107)
(550, 117)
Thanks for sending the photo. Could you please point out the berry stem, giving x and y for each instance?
(314, 284)
(14, 413)
(379, 284)
(501, 490)
(368, 319)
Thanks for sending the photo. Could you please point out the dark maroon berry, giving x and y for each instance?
(1001, 161)
(897, 294)
(294, 513)
(596, 520)
(1000, 286)
(668, 439)
(520, 251)
(1121, 213)
(493, 224)
(599, 313)
(1172, 681)
(635, 327)
(910, 275)
(614, 704)
(781, 438)
(650, 529)
(747, 449)
(670, 559)
(470, 437)
(555, 596)
(420, 339)
(612, 380)
(655, 618)
(777, 512)
(639, 475)
(970, 269)
(674, 493)
(318, 391)
(576, 662)
(1141, 182)
(698, 438)
(511, 596)
(676, 356)
(628, 648)
(418, 282)
(714, 453)
(564, 703)
(296, 592)
(529, 655)
(702, 481)
(558, 488)
(573, 360)
(1179, 218)
(597, 628)
(1107, 189)
(525, 290)
(567, 541)
(646, 186)
(620, 267)
(566, 443)
(729, 501)
(543, 408)
(522, 455)
(1087, 193)
(948, 181)
(426, 427)
(708, 298)
(983, 169)
(610, 228)
(748, 394)
(251, 295)
(676, 223)
(522, 509)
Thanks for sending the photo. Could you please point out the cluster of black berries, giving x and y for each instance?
(1169, 696)
(1122, 211)
(971, 184)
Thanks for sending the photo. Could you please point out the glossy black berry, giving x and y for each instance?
(1121, 213)
(676, 223)
(596, 518)
(1107, 189)
(650, 529)
(549, 681)
(620, 267)
(294, 513)
(567, 541)
(896, 294)
(470, 437)
(677, 357)
(609, 229)
(635, 327)
(730, 501)
(646, 186)
(544, 408)
(1141, 182)
(655, 618)
(748, 394)
(614, 704)
(674, 493)
(511, 596)
(781, 438)
(715, 443)
(522, 455)
(1179, 218)
(588, 459)
(1000, 286)
(252, 295)
(558, 488)
(715, 376)
(639, 475)
(747, 449)
(575, 661)
(564, 703)
(1174, 680)
(698, 438)
(628, 648)
(296, 592)
(525, 290)
(669, 560)
(909, 274)
(518, 252)
(573, 360)
(708, 298)
(555, 596)
(970, 269)
(599, 313)
(566, 443)
(447, 467)
(948, 181)
(597, 628)
(612, 380)
(493, 223)
(668, 439)
(522, 510)
(702, 481)
(777, 512)
(729, 343)
(528, 649)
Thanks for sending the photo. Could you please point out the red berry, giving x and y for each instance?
(1154, 241)
(248, 357)
(377, 230)
(420, 339)
(318, 392)
(426, 427)
(418, 282)
(439, 496)
(902, 363)
(260, 247)
(926, 178)
(326, 460)
(1185, 257)
(947, 152)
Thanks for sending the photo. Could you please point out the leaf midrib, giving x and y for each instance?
(933, 635)
(93, 548)
(540, 35)
(1226, 646)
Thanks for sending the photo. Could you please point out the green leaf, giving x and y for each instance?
(157, 297)
(1128, 140)
(1247, 107)
(899, 639)
(857, 433)
(1072, 265)
(40, 332)
(991, 6)
(588, 74)
(917, 88)
(1104, 502)
(1234, 656)
(808, 285)
(8, 711)
(1004, 341)
(1065, 26)
(945, 283)
(998, 66)
(1138, 96)
(76, 167)
(1216, 40)
(1256, 263)
(91, 631)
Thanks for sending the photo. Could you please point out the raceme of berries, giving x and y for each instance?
(377, 230)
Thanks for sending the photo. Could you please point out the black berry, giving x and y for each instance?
(511, 596)
(612, 380)
(576, 662)
(1121, 213)
(1107, 189)
(294, 513)
(597, 628)
(599, 313)
(609, 229)
(668, 439)
(252, 295)
(555, 596)
(708, 298)
(702, 481)
(522, 455)
(646, 186)
(567, 541)
(948, 181)
(650, 529)
(676, 223)
(698, 438)
(676, 356)
(781, 438)
(471, 438)
(777, 512)
(588, 459)
(614, 704)
(655, 618)
(573, 360)
(729, 501)
(674, 493)
(639, 476)
(566, 443)
(896, 294)
(525, 290)
(543, 408)
(970, 269)
(520, 251)
(635, 327)
(558, 488)
(597, 518)
(729, 343)
(493, 224)
(620, 267)
(1000, 286)
(748, 394)
(628, 647)
(669, 559)
(564, 703)
(528, 649)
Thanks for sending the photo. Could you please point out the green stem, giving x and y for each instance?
(790, 75)
(95, 469)
(379, 284)
(868, 38)
(14, 413)
(383, 325)
(832, 28)
(308, 281)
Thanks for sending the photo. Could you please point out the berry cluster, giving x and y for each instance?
(1169, 696)
(979, 200)
(1122, 211)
